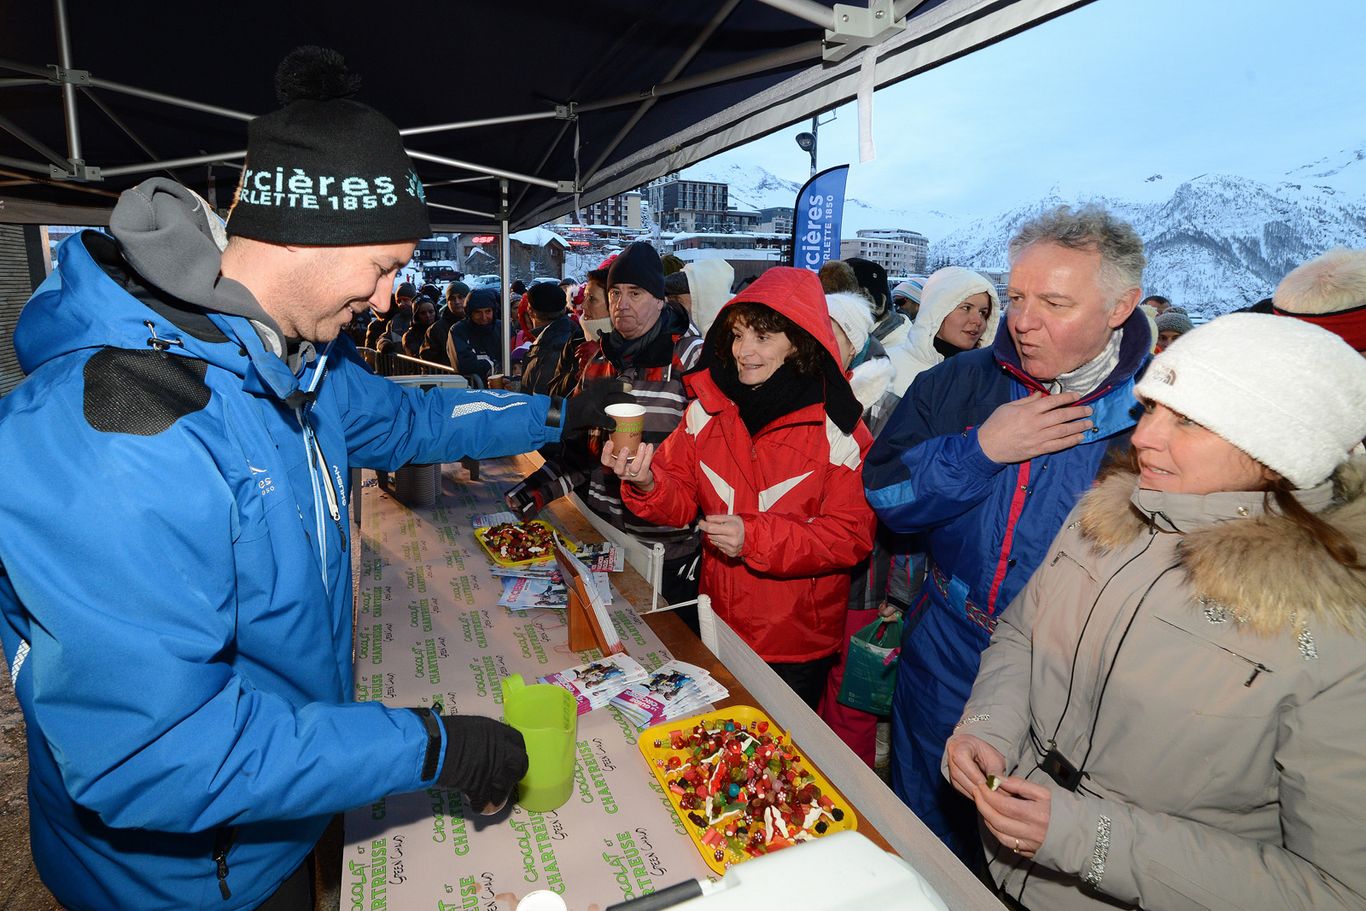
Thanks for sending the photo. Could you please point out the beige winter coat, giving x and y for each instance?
(1228, 764)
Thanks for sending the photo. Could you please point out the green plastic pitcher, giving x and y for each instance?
(549, 721)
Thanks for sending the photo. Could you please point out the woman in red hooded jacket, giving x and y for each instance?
(770, 454)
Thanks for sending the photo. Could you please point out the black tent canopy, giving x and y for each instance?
(514, 113)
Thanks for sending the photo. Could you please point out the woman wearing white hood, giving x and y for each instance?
(885, 578)
(708, 289)
(959, 311)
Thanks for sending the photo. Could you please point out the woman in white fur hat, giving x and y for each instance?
(959, 311)
(1173, 712)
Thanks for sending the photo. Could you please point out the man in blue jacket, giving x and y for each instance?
(986, 455)
(175, 571)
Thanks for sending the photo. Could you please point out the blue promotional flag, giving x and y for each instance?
(817, 217)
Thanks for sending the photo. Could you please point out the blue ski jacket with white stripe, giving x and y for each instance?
(176, 596)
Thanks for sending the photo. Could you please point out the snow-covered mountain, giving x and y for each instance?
(1218, 242)
(755, 187)
(1215, 242)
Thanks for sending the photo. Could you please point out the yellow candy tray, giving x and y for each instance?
(742, 715)
(505, 562)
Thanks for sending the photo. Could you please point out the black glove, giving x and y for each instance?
(588, 409)
(523, 503)
(484, 759)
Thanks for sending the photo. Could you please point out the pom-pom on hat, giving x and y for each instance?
(850, 312)
(1287, 393)
(325, 170)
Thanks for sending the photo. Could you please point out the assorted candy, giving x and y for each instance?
(746, 791)
(517, 542)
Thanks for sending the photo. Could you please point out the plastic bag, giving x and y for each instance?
(870, 670)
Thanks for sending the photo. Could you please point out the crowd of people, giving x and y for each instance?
(1037, 487)
(1128, 553)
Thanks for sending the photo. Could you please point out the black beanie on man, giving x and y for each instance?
(482, 299)
(872, 279)
(547, 299)
(324, 170)
(638, 264)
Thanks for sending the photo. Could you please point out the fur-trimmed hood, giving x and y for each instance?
(1256, 562)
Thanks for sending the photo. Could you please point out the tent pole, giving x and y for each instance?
(428, 184)
(810, 10)
(559, 137)
(22, 165)
(703, 36)
(118, 122)
(173, 163)
(486, 122)
(45, 75)
(437, 205)
(480, 169)
(798, 53)
(169, 99)
(73, 127)
(505, 252)
(32, 142)
(64, 184)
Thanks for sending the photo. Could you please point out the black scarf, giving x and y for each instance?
(653, 349)
(781, 394)
(946, 349)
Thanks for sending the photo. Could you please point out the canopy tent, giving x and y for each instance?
(515, 114)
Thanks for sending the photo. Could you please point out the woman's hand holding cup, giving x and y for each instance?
(635, 470)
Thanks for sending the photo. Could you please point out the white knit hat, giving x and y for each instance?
(851, 312)
(1289, 394)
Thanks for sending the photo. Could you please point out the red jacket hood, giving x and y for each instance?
(797, 295)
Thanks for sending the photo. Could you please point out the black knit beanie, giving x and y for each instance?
(638, 264)
(547, 298)
(324, 170)
(482, 299)
(872, 278)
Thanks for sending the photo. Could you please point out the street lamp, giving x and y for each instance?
(807, 141)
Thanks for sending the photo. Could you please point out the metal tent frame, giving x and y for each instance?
(875, 41)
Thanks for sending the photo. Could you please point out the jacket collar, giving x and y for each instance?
(1135, 349)
(1239, 554)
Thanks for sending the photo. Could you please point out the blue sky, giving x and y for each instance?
(1101, 98)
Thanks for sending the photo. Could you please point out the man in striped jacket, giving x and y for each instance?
(651, 345)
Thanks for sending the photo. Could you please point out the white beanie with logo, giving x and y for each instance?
(1287, 393)
(851, 312)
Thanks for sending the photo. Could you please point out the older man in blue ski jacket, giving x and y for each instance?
(175, 571)
(986, 455)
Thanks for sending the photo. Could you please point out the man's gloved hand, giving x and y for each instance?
(523, 504)
(484, 759)
(588, 409)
